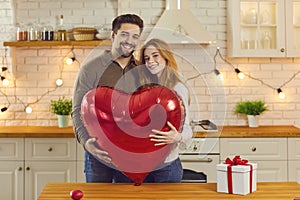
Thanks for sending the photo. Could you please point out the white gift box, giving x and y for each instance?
(240, 178)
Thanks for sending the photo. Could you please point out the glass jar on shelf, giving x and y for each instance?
(21, 33)
(33, 32)
(47, 33)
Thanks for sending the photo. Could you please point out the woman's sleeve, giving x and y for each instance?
(187, 132)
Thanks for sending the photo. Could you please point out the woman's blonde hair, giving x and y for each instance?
(170, 76)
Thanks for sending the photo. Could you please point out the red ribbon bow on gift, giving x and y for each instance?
(236, 161)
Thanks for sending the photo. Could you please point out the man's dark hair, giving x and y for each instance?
(127, 18)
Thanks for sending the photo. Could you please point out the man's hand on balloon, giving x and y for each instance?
(92, 148)
(169, 137)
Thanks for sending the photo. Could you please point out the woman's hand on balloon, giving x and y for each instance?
(168, 137)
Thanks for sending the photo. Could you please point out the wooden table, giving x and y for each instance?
(167, 191)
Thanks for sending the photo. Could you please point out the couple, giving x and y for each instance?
(114, 68)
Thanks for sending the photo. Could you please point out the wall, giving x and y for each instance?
(36, 69)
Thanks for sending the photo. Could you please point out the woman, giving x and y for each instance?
(158, 66)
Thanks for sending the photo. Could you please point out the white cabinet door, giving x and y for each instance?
(271, 171)
(11, 180)
(294, 159)
(48, 160)
(294, 171)
(256, 28)
(50, 149)
(294, 149)
(270, 154)
(80, 177)
(293, 27)
(11, 168)
(38, 173)
(263, 28)
(12, 149)
(254, 148)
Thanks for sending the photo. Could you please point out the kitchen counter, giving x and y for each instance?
(167, 191)
(36, 132)
(224, 132)
(245, 131)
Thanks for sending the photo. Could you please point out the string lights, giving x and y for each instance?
(69, 59)
(241, 75)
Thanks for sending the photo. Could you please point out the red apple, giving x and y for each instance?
(76, 194)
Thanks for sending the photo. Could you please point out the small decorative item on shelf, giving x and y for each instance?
(62, 108)
(103, 33)
(267, 40)
(252, 109)
(84, 33)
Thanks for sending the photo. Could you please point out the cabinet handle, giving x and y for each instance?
(50, 149)
(282, 50)
(253, 149)
(20, 168)
(27, 168)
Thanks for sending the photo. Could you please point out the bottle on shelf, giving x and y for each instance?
(61, 30)
(267, 41)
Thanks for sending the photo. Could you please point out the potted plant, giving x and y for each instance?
(62, 108)
(252, 109)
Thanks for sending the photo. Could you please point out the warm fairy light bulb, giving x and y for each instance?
(219, 74)
(69, 61)
(5, 82)
(28, 110)
(240, 74)
(281, 94)
(59, 82)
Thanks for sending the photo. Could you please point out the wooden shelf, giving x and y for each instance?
(56, 43)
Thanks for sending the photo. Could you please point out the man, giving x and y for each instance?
(111, 68)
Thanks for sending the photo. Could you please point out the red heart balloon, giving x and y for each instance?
(122, 122)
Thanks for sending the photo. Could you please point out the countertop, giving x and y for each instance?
(245, 131)
(224, 132)
(166, 191)
(36, 132)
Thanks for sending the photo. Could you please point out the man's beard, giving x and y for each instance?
(124, 54)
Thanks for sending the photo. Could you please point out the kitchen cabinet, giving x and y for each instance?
(294, 159)
(48, 160)
(263, 28)
(80, 176)
(28, 164)
(270, 154)
(12, 168)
